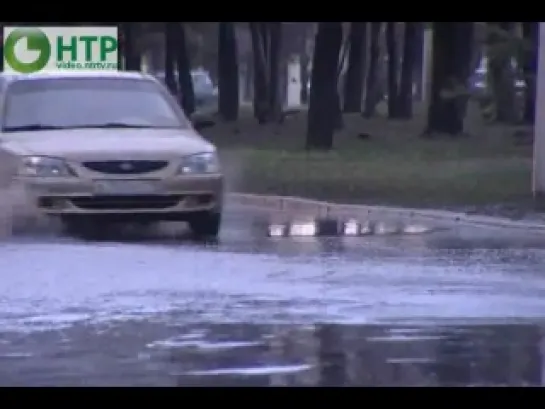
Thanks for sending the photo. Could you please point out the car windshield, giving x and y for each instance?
(88, 102)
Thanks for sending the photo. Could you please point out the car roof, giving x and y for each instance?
(77, 74)
(197, 71)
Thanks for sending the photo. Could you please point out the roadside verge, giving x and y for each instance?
(298, 206)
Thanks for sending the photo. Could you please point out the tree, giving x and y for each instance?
(418, 67)
(170, 61)
(304, 61)
(186, 94)
(339, 121)
(275, 44)
(355, 73)
(120, 46)
(297, 33)
(130, 51)
(371, 86)
(266, 41)
(2, 48)
(500, 71)
(259, 71)
(393, 62)
(304, 41)
(323, 92)
(452, 43)
(202, 45)
(411, 48)
(247, 76)
(530, 33)
(228, 78)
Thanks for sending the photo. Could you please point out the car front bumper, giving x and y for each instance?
(77, 196)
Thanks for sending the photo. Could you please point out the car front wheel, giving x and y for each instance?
(205, 225)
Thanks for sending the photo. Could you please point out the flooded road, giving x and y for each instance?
(462, 307)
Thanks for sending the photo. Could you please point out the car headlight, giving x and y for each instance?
(200, 163)
(44, 166)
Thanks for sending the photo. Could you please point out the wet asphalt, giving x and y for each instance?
(153, 308)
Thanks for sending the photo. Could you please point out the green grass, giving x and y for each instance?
(394, 166)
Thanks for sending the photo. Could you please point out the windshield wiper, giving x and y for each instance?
(114, 125)
(31, 127)
(108, 125)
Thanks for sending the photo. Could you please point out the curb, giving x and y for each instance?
(347, 228)
(317, 208)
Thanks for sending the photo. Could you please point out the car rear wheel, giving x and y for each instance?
(205, 225)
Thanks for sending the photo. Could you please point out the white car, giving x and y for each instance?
(206, 94)
(102, 147)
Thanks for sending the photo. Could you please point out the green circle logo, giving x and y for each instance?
(36, 41)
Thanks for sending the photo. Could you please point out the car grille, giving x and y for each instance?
(126, 167)
(126, 202)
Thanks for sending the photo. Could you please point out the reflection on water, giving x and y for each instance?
(338, 355)
(132, 314)
(134, 354)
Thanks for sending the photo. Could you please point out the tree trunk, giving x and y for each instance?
(393, 62)
(451, 68)
(228, 78)
(371, 86)
(304, 60)
(130, 50)
(275, 45)
(127, 38)
(501, 73)
(418, 67)
(266, 44)
(170, 61)
(323, 92)
(355, 74)
(186, 93)
(120, 47)
(249, 79)
(530, 32)
(339, 120)
(465, 46)
(410, 50)
(2, 48)
(442, 112)
(260, 73)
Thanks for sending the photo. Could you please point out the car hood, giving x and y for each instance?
(99, 144)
